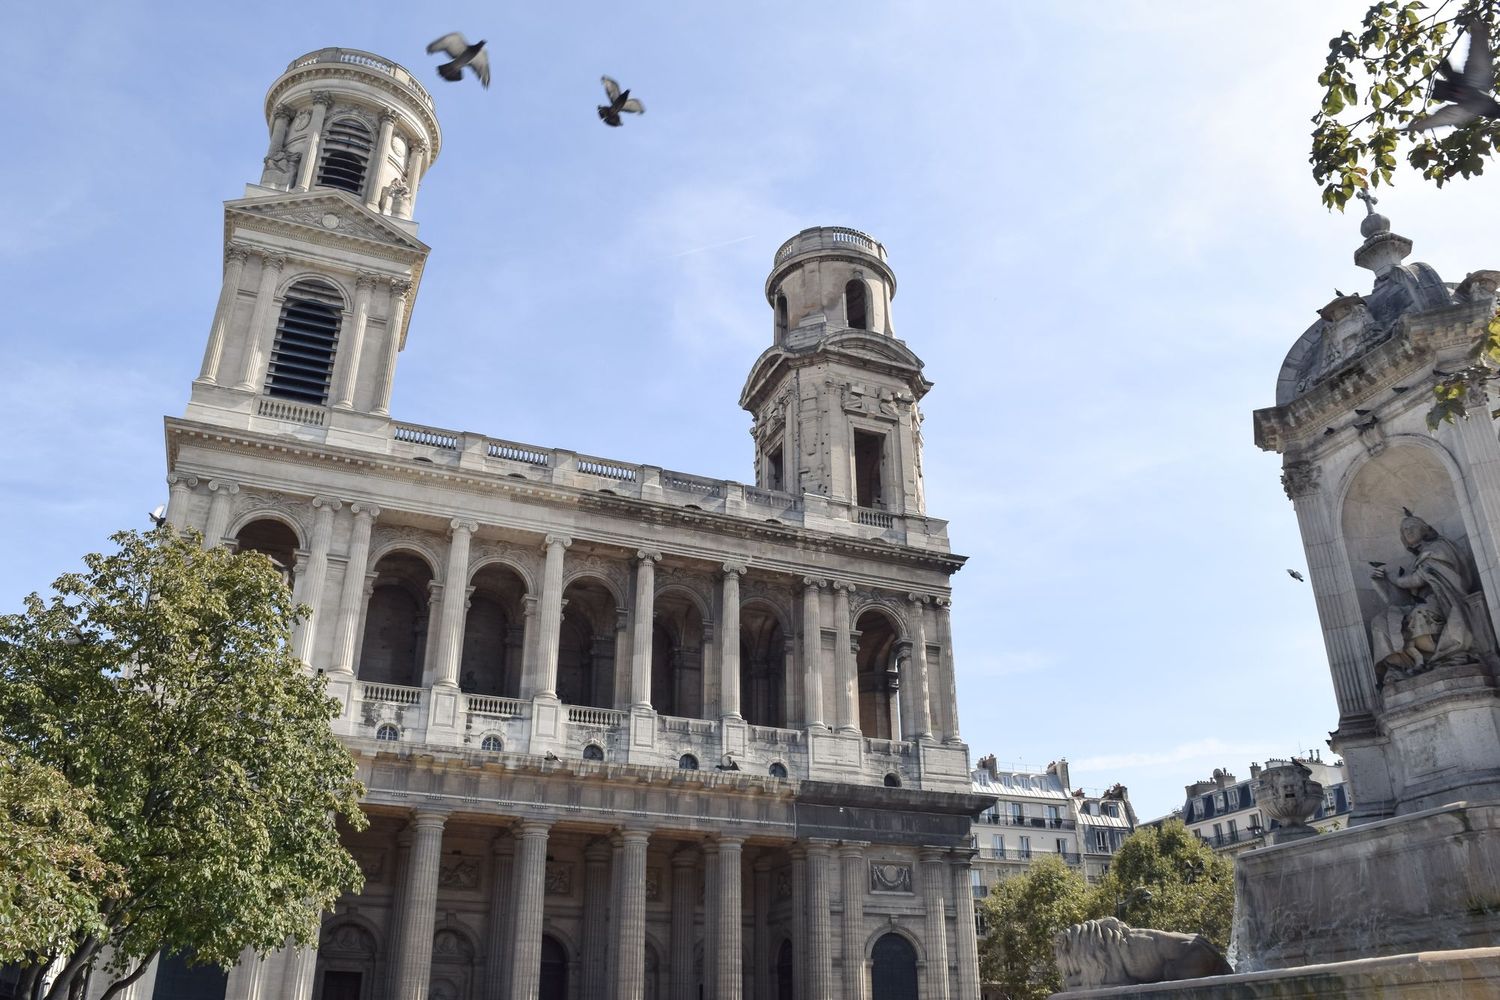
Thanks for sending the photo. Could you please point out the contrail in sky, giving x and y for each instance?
(711, 246)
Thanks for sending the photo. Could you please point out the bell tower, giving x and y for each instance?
(321, 256)
(835, 398)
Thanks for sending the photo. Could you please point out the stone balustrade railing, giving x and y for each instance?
(501, 708)
(584, 716)
(391, 694)
(829, 238)
(369, 60)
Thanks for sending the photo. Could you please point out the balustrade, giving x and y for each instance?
(430, 436)
(603, 717)
(696, 727)
(281, 409)
(358, 57)
(606, 470)
(500, 708)
(390, 694)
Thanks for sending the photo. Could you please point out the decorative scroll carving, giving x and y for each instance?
(886, 876)
(559, 880)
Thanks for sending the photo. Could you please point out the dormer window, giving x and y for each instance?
(306, 339)
(346, 155)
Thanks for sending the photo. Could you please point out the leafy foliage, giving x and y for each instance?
(160, 686)
(1024, 913)
(1376, 80)
(1453, 388)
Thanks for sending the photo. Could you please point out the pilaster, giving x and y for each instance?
(847, 683)
(854, 870)
(812, 654)
(261, 331)
(501, 917)
(222, 493)
(935, 882)
(530, 898)
(315, 576)
(820, 919)
(965, 936)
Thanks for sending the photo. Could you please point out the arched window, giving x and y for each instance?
(306, 337)
(553, 983)
(275, 540)
(593, 752)
(492, 744)
(893, 780)
(875, 672)
(780, 318)
(346, 155)
(395, 638)
(893, 969)
(855, 308)
(778, 770)
(388, 733)
(687, 762)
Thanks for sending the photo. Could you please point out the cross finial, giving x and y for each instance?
(1364, 195)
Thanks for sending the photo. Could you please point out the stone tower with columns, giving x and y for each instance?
(627, 732)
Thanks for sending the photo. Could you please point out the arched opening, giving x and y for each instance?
(653, 974)
(875, 664)
(346, 962)
(856, 308)
(785, 976)
(307, 336)
(395, 637)
(781, 318)
(763, 656)
(274, 539)
(452, 966)
(493, 631)
(893, 971)
(594, 752)
(687, 762)
(177, 980)
(677, 657)
(554, 978)
(346, 155)
(586, 646)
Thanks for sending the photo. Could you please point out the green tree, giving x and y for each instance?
(1023, 914)
(160, 685)
(1170, 880)
(1377, 79)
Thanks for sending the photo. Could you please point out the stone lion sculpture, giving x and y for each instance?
(1109, 952)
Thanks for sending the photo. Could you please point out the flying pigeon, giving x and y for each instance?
(1468, 91)
(464, 54)
(1328, 430)
(549, 755)
(158, 516)
(619, 100)
(1399, 389)
(1296, 576)
(727, 764)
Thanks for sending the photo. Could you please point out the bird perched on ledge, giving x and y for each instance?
(727, 764)
(619, 100)
(464, 54)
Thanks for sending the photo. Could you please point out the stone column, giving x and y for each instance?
(684, 911)
(919, 725)
(946, 683)
(848, 690)
(630, 926)
(414, 172)
(352, 344)
(222, 492)
(179, 491)
(315, 576)
(1478, 452)
(731, 920)
(965, 936)
(711, 903)
(596, 878)
(352, 598)
(281, 119)
(760, 944)
(235, 256)
(414, 951)
(530, 896)
(528, 647)
(640, 632)
(935, 880)
(298, 971)
(395, 318)
(550, 618)
(729, 642)
(260, 331)
(812, 654)
(799, 920)
(395, 929)
(820, 920)
(501, 917)
(624, 668)
(455, 602)
(377, 162)
(853, 868)
(321, 101)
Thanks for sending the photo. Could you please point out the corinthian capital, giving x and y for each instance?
(1301, 479)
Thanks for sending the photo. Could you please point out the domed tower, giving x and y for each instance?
(835, 398)
(321, 255)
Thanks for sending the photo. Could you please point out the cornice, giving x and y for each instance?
(352, 71)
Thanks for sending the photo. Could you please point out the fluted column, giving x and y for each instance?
(641, 626)
(935, 882)
(684, 911)
(852, 867)
(222, 492)
(414, 954)
(315, 576)
(947, 683)
(711, 902)
(352, 597)
(965, 935)
(235, 256)
(260, 331)
(501, 918)
(595, 985)
(731, 920)
(729, 642)
(630, 927)
(848, 691)
(799, 920)
(820, 920)
(919, 725)
(321, 100)
(396, 918)
(179, 492)
(812, 653)
(300, 966)
(549, 618)
(455, 604)
(382, 153)
(1479, 455)
(281, 120)
(530, 896)
(395, 318)
(352, 344)
(414, 173)
(760, 944)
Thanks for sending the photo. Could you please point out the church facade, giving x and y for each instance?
(626, 732)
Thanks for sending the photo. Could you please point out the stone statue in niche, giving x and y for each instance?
(280, 169)
(1425, 623)
(393, 198)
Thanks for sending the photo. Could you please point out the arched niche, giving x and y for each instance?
(763, 680)
(396, 621)
(875, 673)
(346, 960)
(586, 644)
(273, 538)
(677, 655)
(493, 632)
(893, 968)
(553, 983)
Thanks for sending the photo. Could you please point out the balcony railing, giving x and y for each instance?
(500, 708)
(391, 694)
(369, 60)
(603, 717)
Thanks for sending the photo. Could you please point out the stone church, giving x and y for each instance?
(627, 732)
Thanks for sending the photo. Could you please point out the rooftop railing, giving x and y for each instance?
(369, 60)
(829, 238)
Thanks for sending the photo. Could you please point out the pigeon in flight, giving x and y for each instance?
(1468, 91)
(550, 756)
(727, 764)
(1296, 576)
(464, 54)
(619, 100)
(158, 516)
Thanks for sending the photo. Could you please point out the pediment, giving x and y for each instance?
(324, 215)
(872, 347)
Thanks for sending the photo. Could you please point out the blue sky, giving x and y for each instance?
(1099, 215)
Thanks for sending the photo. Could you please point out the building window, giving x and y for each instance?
(778, 770)
(1101, 841)
(593, 752)
(1054, 817)
(491, 743)
(1218, 833)
(1017, 813)
(997, 843)
(776, 467)
(307, 336)
(687, 762)
(781, 325)
(892, 780)
(869, 456)
(1026, 847)
(388, 733)
(855, 307)
(1111, 809)
(346, 154)
(1062, 846)
(1234, 832)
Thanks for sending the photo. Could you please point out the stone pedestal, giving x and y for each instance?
(546, 724)
(1445, 728)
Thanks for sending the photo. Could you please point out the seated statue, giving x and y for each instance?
(1425, 623)
(1109, 952)
(280, 169)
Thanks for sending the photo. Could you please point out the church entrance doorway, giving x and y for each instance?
(341, 985)
(894, 969)
(176, 980)
(554, 979)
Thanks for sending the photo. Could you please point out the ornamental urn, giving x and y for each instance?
(1286, 793)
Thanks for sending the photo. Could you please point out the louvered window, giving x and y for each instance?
(306, 339)
(346, 155)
